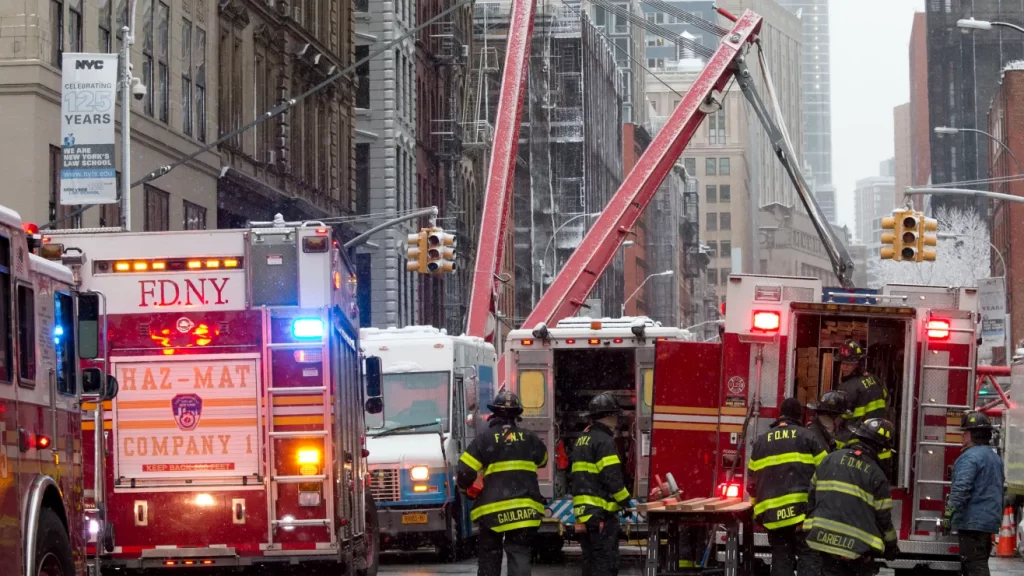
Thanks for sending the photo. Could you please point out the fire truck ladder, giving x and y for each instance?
(929, 479)
(322, 435)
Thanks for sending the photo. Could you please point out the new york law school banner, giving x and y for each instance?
(89, 90)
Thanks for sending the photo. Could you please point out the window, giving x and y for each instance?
(6, 357)
(60, 213)
(712, 221)
(64, 342)
(163, 79)
(712, 247)
(157, 210)
(362, 78)
(104, 26)
(186, 77)
(147, 55)
(725, 220)
(195, 217)
(713, 276)
(724, 169)
(710, 166)
(199, 59)
(75, 25)
(726, 249)
(725, 193)
(229, 82)
(691, 166)
(712, 195)
(26, 333)
(362, 178)
(716, 127)
(56, 32)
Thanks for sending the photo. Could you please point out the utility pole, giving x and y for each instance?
(127, 39)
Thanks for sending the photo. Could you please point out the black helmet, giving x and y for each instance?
(852, 351)
(975, 421)
(831, 402)
(877, 431)
(604, 404)
(506, 404)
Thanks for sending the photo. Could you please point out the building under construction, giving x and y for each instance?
(570, 145)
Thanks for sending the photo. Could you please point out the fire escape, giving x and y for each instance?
(703, 300)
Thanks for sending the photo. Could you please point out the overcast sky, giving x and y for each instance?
(870, 76)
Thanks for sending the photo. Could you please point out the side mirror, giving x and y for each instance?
(95, 383)
(88, 326)
(374, 405)
(373, 377)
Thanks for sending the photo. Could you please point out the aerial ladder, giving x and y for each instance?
(577, 278)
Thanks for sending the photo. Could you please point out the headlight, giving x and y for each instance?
(419, 473)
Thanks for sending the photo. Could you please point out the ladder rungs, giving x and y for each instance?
(298, 434)
(934, 520)
(950, 368)
(935, 482)
(315, 522)
(298, 479)
(298, 390)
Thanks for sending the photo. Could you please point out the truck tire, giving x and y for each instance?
(371, 535)
(53, 547)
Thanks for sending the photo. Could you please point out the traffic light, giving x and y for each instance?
(890, 240)
(910, 235)
(416, 253)
(929, 237)
(440, 251)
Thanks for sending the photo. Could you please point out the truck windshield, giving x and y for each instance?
(413, 399)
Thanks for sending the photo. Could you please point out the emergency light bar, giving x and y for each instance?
(308, 328)
(165, 265)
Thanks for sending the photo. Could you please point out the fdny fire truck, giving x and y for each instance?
(238, 434)
(780, 337)
(556, 373)
(42, 526)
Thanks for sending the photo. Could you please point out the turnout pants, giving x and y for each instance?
(790, 552)
(516, 545)
(836, 566)
(974, 551)
(600, 543)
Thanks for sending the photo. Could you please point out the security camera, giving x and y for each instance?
(138, 89)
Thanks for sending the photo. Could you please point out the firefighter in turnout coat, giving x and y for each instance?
(829, 422)
(779, 474)
(599, 493)
(849, 506)
(509, 507)
(866, 395)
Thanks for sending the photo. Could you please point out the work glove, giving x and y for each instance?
(473, 492)
(891, 551)
(947, 517)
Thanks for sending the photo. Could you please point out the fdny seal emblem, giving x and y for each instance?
(736, 385)
(187, 409)
(185, 325)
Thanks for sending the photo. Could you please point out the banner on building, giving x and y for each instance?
(89, 90)
(992, 306)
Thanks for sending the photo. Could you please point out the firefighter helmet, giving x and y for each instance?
(877, 431)
(975, 421)
(831, 402)
(604, 404)
(851, 351)
(506, 404)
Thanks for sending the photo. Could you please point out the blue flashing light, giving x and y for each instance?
(58, 331)
(308, 328)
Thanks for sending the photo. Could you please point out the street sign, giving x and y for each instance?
(89, 89)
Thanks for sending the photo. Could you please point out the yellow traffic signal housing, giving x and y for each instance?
(440, 251)
(910, 234)
(929, 237)
(890, 240)
(416, 253)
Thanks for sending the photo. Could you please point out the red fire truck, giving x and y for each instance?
(237, 436)
(42, 526)
(711, 400)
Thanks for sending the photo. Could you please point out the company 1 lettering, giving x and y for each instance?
(204, 379)
(195, 292)
(205, 445)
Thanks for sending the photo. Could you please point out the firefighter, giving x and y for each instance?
(849, 507)
(829, 421)
(779, 474)
(509, 506)
(974, 507)
(599, 493)
(866, 396)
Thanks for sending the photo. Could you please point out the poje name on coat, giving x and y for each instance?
(781, 435)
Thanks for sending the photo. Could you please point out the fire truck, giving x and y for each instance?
(557, 371)
(780, 339)
(237, 437)
(46, 327)
(436, 390)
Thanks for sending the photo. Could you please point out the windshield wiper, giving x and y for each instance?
(398, 429)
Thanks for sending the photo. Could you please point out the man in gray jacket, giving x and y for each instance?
(975, 505)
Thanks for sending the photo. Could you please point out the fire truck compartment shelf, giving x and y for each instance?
(298, 390)
(304, 522)
(298, 434)
(298, 479)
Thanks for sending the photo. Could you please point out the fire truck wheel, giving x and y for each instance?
(53, 547)
(372, 536)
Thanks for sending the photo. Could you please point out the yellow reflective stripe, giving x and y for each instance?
(779, 459)
(833, 550)
(783, 523)
(506, 505)
(687, 564)
(779, 501)
(820, 457)
(890, 535)
(595, 501)
(516, 525)
(543, 462)
(595, 468)
(875, 405)
(883, 504)
(510, 465)
(585, 467)
(885, 454)
(583, 519)
(608, 461)
(855, 491)
(851, 531)
(468, 460)
(840, 443)
(753, 501)
(621, 495)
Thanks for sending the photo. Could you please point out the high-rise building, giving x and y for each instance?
(660, 51)
(873, 200)
(920, 126)
(963, 75)
(903, 139)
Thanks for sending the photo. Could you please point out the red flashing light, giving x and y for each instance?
(30, 228)
(617, 340)
(721, 308)
(729, 490)
(42, 441)
(766, 321)
(938, 329)
(321, 231)
(526, 342)
(570, 340)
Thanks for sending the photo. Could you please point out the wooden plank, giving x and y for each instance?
(693, 506)
(724, 503)
(644, 507)
(739, 507)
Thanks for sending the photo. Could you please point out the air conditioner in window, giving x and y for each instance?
(271, 157)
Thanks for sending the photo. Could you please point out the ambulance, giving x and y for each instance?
(780, 339)
(237, 437)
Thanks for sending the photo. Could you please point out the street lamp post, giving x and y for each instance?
(127, 40)
(544, 254)
(622, 312)
(948, 130)
(968, 25)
